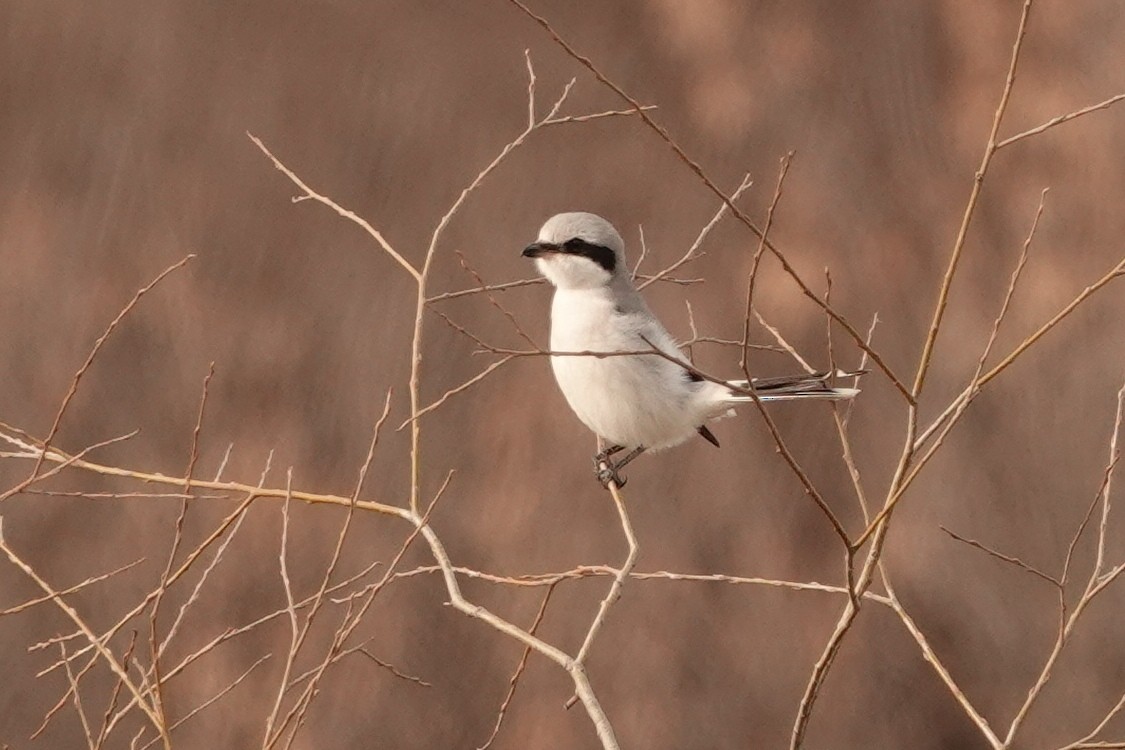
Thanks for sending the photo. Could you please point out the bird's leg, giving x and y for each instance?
(605, 454)
(630, 456)
(609, 473)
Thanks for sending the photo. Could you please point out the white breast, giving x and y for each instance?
(628, 400)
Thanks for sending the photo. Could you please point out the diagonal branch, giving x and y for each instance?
(970, 208)
(1060, 120)
(351, 216)
(93, 639)
(94, 353)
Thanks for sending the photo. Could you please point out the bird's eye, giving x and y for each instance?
(574, 244)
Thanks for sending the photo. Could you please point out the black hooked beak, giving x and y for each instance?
(539, 249)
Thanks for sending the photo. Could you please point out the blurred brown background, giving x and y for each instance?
(123, 147)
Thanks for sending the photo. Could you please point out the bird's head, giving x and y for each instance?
(578, 251)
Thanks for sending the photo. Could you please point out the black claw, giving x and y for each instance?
(611, 471)
(609, 475)
(606, 472)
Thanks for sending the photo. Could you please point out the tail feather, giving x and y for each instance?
(790, 387)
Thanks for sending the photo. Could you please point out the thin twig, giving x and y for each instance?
(486, 288)
(532, 580)
(693, 250)
(1094, 587)
(94, 353)
(1060, 120)
(177, 538)
(1001, 556)
(126, 658)
(755, 263)
(431, 251)
(1114, 455)
(970, 208)
(595, 116)
(1073, 546)
(105, 653)
(515, 678)
(214, 698)
(291, 610)
(945, 421)
(1117, 271)
(296, 713)
(615, 587)
(784, 345)
(70, 590)
(576, 670)
(309, 193)
(943, 673)
(78, 707)
(460, 388)
(1088, 740)
(63, 461)
(643, 254)
(492, 300)
(393, 669)
(973, 389)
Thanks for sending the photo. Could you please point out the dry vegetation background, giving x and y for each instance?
(123, 148)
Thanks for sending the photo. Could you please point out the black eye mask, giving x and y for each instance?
(600, 254)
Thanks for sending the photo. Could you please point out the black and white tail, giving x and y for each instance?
(790, 387)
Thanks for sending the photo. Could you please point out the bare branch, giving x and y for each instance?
(1005, 558)
(488, 288)
(595, 116)
(970, 208)
(90, 360)
(693, 250)
(1107, 483)
(614, 592)
(519, 669)
(1060, 120)
(744, 362)
(94, 641)
(943, 673)
(393, 669)
(70, 590)
(347, 214)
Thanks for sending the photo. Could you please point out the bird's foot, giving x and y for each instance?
(606, 472)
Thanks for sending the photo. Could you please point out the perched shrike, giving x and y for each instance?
(636, 402)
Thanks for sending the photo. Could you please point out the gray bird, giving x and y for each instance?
(636, 402)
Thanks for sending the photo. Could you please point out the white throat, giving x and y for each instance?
(573, 272)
